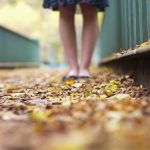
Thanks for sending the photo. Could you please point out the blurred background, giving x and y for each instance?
(29, 34)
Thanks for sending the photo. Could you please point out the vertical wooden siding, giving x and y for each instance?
(126, 24)
(135, 22)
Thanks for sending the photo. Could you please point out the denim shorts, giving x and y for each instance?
(54, 4)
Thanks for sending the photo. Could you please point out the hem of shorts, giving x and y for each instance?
(57, 8)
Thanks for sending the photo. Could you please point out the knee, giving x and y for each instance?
(67, 12)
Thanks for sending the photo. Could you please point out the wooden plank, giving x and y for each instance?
(131, 53)
(135, 63)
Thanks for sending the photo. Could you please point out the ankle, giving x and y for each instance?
(84, 72)
(73, 72)
(84, 69)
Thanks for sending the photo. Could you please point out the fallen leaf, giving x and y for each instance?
(77, 85)
(120, 97)
(40, 115)
(8, 116)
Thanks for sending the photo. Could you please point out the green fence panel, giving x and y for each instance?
(126, 24)
(110, 37)
(135, 19)
(16, 48)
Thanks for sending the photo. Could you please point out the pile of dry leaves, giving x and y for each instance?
(105, 112)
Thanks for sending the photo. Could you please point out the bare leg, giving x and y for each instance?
(68, 37)
(89, 37)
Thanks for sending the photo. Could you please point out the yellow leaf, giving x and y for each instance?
(40, 115)
(70, 81)
(109, 93)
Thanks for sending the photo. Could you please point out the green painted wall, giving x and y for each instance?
(135, 21)
(16, 48)
(109, 39)
(126, 24)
